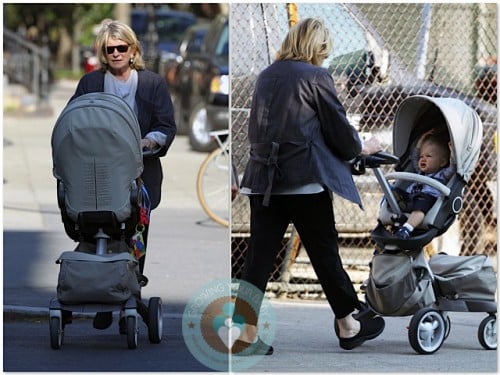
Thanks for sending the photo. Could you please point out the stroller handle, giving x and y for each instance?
(414, 177)
(149, 152)
(380, 158)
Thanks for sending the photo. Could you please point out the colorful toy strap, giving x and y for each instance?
(137, 240)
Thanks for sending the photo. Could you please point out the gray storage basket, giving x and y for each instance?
(90, 278)
(399, 284)
(464, 277)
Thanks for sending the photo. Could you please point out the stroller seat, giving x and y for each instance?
(416, 116)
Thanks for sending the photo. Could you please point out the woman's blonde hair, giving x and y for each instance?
(309, 40)
(118, 30)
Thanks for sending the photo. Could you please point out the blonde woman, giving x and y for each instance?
(300, 144)
(123, 74)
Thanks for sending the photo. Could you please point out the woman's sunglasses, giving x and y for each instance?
(121, 48)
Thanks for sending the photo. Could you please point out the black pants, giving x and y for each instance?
(313, 217)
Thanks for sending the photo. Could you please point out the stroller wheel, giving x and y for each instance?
(427, 331)
(447, 322)
(155, 324)
(132, 331)
(56, 332)
(487, 332)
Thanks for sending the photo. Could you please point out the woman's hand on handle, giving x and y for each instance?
(148, 143)
(371, 146)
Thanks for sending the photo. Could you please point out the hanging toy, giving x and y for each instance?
(137, 240)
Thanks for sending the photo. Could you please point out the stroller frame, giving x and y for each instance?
(100, 209)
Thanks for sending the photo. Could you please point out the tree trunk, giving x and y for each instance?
(64, 49)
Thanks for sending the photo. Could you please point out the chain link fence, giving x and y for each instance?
(382, 54)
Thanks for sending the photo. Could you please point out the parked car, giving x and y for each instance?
(159, 31)
(170, 64)
(201, 88)
(170, 26)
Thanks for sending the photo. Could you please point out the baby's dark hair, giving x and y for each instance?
(439, 140)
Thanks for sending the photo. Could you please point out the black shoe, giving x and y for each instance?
(257, 348)
(369, 329)
(103, 320)
(122, 325)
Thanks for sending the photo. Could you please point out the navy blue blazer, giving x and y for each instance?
(299, 132)
(155, 113)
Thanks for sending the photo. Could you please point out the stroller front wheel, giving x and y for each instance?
(487, 332)
(132, 331)
(427, 331)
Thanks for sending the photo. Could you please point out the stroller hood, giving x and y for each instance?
(96, 152)
(464, 126)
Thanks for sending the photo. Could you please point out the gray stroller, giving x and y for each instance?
(98, 161)
(402, 280)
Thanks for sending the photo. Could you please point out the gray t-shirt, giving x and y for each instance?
(127, 90)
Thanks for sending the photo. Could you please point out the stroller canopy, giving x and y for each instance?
(96, 152)
(464, 127)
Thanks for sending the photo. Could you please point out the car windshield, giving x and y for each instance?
(171, 28)
(140, 23)
(222, 47)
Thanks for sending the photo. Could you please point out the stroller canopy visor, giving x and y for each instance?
(463, 123)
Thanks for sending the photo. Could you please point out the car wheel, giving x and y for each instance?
(199, 130)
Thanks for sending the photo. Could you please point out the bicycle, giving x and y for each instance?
(212, 182)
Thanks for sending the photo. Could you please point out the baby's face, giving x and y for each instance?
(431, 158)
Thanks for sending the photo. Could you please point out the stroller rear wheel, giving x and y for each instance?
(155, 324)
(487, 332)
(56, 332)
(427, 331)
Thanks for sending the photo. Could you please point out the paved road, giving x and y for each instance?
(304, 343)
(186, 251)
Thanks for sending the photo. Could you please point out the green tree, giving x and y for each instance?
(65, 28)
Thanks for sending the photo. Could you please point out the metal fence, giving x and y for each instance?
(27, 64)
(382, 53)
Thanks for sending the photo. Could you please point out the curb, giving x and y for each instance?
(13, 312)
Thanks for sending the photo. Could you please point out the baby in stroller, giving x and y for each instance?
(432, 159)
(435, 153)
(402, 280)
